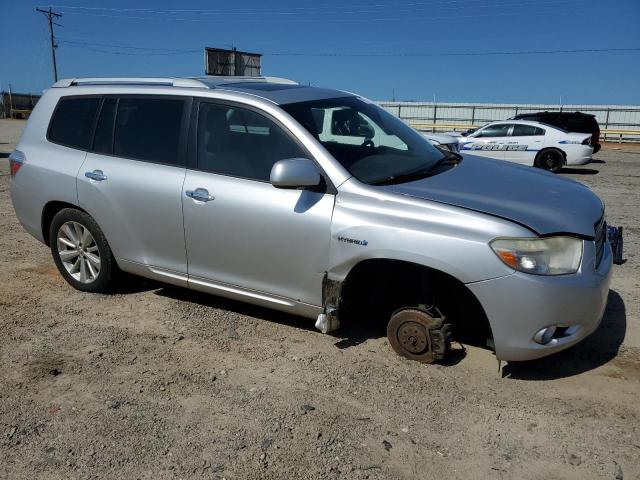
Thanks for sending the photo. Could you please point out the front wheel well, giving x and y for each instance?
(49, 211)
(376, 288)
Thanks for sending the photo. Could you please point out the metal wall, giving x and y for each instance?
(460, 116)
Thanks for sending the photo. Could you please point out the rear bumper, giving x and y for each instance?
(519, 305)
(579, 156)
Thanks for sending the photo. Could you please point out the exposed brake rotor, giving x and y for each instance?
(419, 333)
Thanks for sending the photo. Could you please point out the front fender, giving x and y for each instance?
(450, 239)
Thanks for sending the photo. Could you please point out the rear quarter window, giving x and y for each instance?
(72, 122)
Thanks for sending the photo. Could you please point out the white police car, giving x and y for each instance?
(528, 143)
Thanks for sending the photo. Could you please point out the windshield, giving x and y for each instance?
(373, 145)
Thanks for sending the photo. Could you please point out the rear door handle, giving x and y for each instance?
(96, 175)
(200, 195)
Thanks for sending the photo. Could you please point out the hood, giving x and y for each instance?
(539, 200)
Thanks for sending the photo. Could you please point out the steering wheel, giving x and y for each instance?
(364, 148)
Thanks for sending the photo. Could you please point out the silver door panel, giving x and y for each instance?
(252, 234)
(138, 207)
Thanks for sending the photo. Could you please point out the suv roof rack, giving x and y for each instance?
(191, 82)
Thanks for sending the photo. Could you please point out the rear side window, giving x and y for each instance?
(149, 129)
(73, 121)
(526, 131)
(499, 130)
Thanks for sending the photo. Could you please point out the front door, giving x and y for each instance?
(489, 141)
(241, 232)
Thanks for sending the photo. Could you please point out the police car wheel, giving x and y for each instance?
(550, 160)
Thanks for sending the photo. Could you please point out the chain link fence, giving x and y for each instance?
(617, 122)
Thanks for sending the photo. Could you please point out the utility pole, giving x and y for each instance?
(50, 14)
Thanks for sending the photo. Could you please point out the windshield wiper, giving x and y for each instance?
(450, 158)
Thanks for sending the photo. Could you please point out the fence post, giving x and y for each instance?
(435, 117)
(473, 115)
(400, 111)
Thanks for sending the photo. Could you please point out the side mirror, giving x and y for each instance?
(469, 132)
(295, 173)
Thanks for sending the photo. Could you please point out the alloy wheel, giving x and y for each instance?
(78, 252)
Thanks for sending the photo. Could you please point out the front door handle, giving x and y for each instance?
(96, 175)
(200, 195)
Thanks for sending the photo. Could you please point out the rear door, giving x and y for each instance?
(243, 235)
(524, 143)
(131, 181)
(489, 141)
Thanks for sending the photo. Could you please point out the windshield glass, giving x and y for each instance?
(373, 145)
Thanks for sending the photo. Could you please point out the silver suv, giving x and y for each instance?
(310, 201)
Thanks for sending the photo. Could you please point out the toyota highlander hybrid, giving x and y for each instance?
(310, 201)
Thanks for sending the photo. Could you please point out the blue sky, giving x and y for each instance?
(103, 38)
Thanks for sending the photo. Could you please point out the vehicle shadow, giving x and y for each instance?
(579, 171)
(597, 160)
(241, 308)
(596, 350)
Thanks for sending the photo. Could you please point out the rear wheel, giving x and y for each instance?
(81, 252)
(551, 160)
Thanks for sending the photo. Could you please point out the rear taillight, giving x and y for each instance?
(16, 160)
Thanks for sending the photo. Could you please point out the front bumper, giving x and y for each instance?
(520, 304)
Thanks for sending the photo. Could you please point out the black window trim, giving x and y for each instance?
(184, 125)
(325, 186)
(113, 126)
(91, 130)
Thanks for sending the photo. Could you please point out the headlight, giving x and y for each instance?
(540, 256)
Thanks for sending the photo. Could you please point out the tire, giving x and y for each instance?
(551, 160)
(81, 252)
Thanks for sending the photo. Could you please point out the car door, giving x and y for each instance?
(244, 237)
(489, 141)
(524, 143)
(131, 182)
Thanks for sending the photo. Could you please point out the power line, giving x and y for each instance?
(361, 54)
(50, 14)
(456, 54)
(132, 47)
(270, 10)
(227, 17)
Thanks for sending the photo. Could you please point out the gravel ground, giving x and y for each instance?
(158, 382)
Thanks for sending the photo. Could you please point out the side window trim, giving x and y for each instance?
(184, 127)
(192, 148)
(93, 126)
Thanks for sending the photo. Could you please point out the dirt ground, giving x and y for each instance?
(159, 382)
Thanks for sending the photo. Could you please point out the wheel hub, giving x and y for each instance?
(413, 337)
